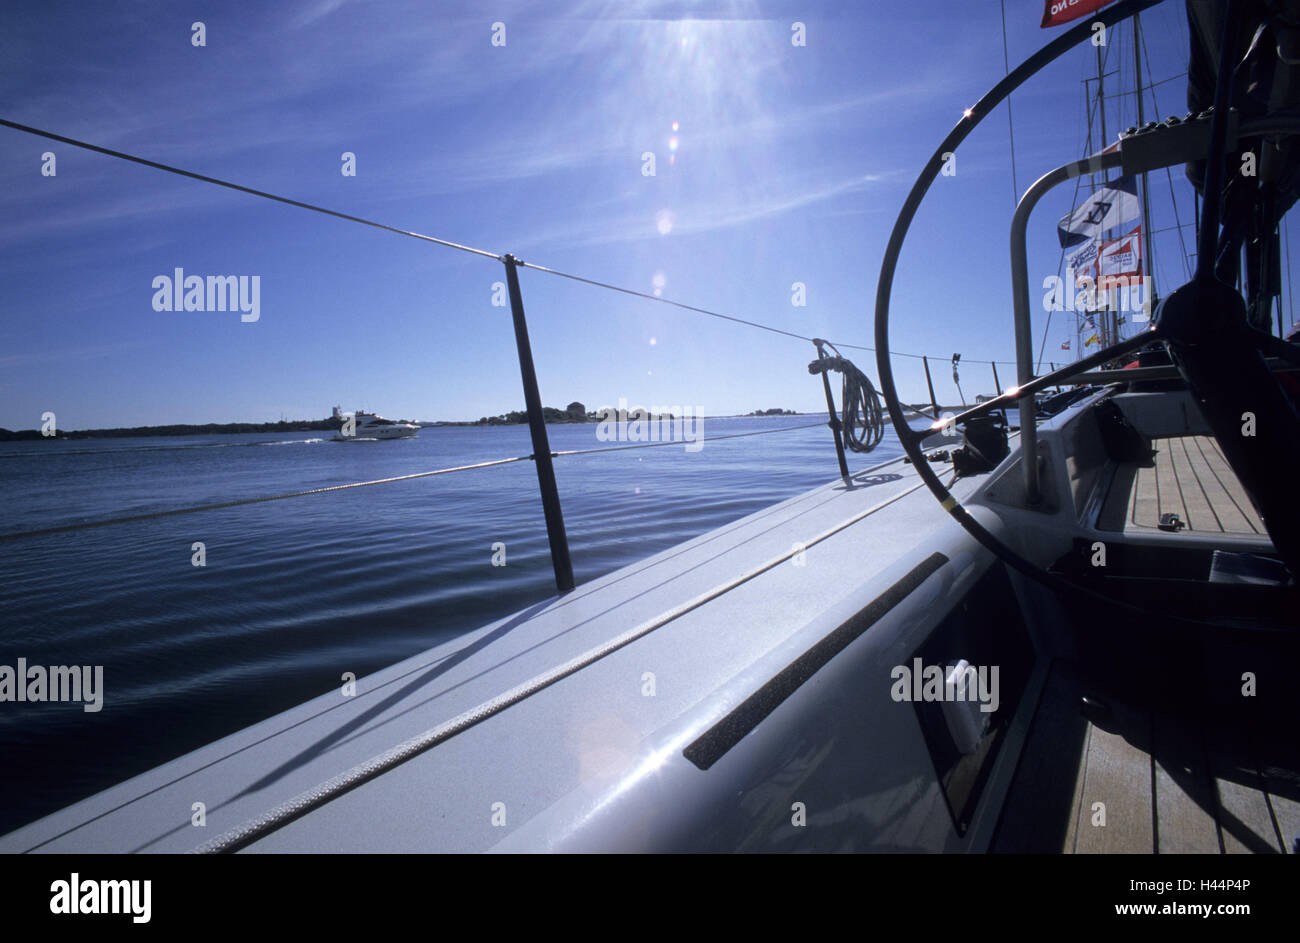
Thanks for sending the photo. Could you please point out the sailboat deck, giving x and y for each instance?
(1191, 478)
(1098, 776)
(706, 612)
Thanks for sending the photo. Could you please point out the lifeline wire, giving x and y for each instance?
(66, 528)
(121, 155)
(242, 189)
(242, 501)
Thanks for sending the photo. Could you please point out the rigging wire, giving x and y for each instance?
(1179, 225)
(1150, 264)
(1173, 78)
(667, 301)
(715, 314)
(242, 189)
(1090, 108)
(658, 445)
(1011, 128)
(1182, 243)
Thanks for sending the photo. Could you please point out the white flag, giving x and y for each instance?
(1113, 205)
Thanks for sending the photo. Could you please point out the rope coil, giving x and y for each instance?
(862, 419)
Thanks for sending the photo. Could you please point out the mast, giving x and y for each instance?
(1148, 282)
(1103, 317)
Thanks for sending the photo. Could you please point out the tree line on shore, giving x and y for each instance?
(574, 412)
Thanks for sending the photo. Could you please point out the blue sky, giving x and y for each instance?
(789, 165)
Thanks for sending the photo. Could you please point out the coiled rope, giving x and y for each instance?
(862, 417)
(864, 422)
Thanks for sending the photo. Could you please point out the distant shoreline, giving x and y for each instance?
(331, 424)
(212, 428)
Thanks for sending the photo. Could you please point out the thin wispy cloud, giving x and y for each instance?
(313, 12)
(721, 213)
(63, 355)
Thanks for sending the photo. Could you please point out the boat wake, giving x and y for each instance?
(165, 448)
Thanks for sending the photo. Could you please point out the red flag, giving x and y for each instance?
(1120, 259)
(1056, 12)
(1065, 345)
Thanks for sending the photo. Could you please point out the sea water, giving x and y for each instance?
(290, 594)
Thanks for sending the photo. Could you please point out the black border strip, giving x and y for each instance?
(714, 743)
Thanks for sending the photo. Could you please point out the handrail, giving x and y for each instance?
(1020, 303)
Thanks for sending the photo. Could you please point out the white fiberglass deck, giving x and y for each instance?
(771, 574)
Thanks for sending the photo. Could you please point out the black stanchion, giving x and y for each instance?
(537, 428)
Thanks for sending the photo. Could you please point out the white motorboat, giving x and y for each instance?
(365, 427)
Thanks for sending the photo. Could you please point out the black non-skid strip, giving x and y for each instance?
(714, 743)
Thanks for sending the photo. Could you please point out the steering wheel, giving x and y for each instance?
(1193, 322)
